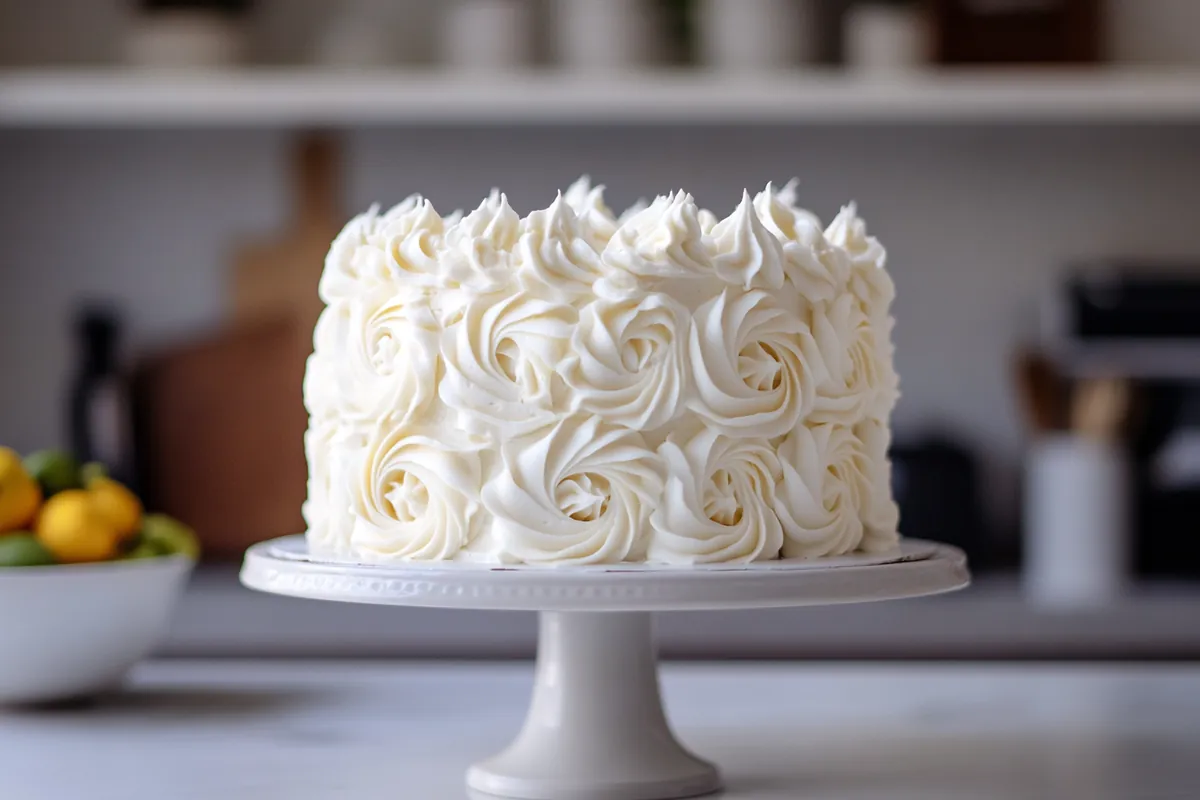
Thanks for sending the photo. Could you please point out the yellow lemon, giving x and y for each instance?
(20, 495)
(117, 504)
(74, 528)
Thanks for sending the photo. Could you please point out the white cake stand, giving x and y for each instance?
(596, 728)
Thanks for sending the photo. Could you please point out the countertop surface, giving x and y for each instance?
(991, 619)
(364, 730)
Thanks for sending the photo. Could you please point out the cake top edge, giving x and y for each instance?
(578, 238)
(776, 206)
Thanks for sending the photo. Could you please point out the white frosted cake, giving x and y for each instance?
(576, 388)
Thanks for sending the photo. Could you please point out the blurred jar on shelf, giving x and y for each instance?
(1017, 31)
(881, 38)
(488, 34)
(756, 34)
(1154, 31)
(603, 35)
(360, 33)
(187, 33)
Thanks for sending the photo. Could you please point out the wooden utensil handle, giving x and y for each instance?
(317, 178)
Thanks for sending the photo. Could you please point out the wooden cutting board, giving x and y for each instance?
(220, 427)
(278, 277)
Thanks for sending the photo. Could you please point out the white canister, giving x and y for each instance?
(488, 34)
(756, 34)
(1154, 31)
(185, 39)
(1076, 522)
(360, 33)
(606, 34)
(885, 38)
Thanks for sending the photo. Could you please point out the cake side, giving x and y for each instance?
(577, 388)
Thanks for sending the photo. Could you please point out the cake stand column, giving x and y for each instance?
(596, 728)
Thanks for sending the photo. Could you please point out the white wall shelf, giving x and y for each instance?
(124, 98)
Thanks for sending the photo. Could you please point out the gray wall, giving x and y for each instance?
(977, 221)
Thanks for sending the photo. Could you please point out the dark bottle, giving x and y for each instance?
(99, 415)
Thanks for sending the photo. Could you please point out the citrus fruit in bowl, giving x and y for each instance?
(90, 577)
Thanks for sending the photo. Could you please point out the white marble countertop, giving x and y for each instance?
(299, 730)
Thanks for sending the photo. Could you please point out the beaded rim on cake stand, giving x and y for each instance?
(596, 729)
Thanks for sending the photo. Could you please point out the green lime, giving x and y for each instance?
(22, 549)
(169, 535)
(54, 470)
(145, 550)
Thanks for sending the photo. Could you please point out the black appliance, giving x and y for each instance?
(1142, 321)
(935, 480)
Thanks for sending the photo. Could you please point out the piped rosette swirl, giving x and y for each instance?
(574, 387)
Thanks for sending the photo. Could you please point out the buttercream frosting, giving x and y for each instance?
(580, 387)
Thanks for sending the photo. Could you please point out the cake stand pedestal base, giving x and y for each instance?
(596, 728)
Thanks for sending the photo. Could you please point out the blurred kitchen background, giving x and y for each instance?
(174, 170)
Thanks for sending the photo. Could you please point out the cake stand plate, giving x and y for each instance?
(596, 729)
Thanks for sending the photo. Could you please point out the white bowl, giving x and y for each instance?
(74, 630)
